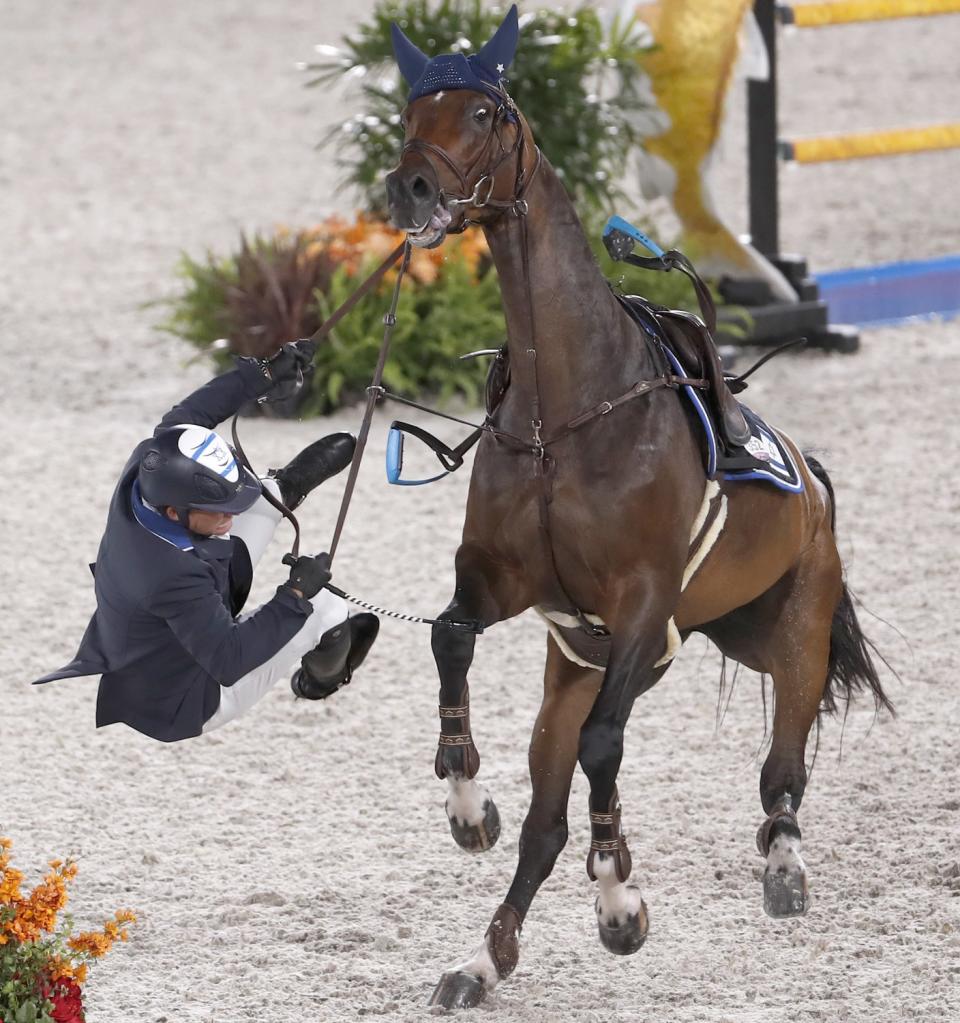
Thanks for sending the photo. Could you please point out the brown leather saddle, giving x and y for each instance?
(689, 337)
(690, 340)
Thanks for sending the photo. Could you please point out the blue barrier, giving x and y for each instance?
(893, 292)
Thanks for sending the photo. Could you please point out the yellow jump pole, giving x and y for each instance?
(845, 12)
(873, 143)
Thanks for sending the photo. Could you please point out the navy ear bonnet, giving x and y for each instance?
(480, 72)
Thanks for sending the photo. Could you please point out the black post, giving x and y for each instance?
(762, 144)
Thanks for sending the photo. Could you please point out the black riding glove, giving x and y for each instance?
(291, 363)
(310, 575)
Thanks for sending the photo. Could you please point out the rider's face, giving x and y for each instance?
(206, 523)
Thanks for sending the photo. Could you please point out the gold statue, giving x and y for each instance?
(698, 45)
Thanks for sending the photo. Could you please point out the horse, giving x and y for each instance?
(589, 502)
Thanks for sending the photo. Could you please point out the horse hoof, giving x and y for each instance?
(479, 837)
(626, 937)
(457, 990)
(785, 893)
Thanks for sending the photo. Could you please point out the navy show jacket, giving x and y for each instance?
(164, 637)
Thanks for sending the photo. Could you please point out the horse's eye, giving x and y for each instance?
(481, 115)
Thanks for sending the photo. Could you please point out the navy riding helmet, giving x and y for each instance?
(191, 467)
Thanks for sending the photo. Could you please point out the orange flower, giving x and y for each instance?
(97, 943)
(38, 912)
(63, 969)
(358, 245)
(10, 881)
(91, 943)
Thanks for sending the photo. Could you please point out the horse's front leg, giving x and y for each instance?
(569, 692)
(485, 593)
(637, 661)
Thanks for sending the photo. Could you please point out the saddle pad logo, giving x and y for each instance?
(209, 450)
(764, 448)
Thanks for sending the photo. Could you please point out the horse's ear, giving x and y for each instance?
(410, 59)
(499, 52)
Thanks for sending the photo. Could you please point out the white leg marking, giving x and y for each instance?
(784, 855)
(481, 965)
(616, 900)
(466, 801)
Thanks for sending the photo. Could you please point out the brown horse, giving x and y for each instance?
(605, 523)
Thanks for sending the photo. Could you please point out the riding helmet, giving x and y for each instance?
(191, 467)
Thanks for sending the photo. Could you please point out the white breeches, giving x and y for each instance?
(256, 527)
(258, 523)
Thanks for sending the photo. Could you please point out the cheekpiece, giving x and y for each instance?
(480, 72)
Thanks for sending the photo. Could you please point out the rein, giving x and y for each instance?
(373, 393)
(452, 458)
(335, 317)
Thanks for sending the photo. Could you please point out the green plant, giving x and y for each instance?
(436, 323)
(580, 87)
(278, 288)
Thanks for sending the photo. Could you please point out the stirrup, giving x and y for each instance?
(450, 458)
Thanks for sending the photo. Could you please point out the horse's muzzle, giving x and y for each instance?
(413, 195)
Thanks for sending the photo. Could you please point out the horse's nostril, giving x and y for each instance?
(420, 188)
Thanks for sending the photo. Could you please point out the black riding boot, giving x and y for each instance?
(332, 662)
(315, 464)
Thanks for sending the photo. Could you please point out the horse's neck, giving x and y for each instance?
(585, 346)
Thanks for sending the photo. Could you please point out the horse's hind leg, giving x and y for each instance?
(483, 595)
(786, 633)
(569, 692)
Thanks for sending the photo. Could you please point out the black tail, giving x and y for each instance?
(851, 668)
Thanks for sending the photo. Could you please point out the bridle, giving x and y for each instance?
(480, 196)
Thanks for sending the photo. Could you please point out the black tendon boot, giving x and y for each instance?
(332, 662)
(317, 462)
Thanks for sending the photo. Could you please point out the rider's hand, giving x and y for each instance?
(309, 575)
(291, 363)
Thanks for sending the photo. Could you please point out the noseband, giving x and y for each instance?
(481, 195)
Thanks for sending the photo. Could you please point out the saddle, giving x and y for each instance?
(687, 336)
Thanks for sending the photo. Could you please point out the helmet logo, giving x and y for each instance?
(210, 450)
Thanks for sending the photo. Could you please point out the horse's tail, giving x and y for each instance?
(851, 668)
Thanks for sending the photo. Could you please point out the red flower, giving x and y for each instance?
(67, 1002)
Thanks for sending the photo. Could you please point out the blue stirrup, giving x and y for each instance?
(450, 458)
(619, 235)
(395, 461)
